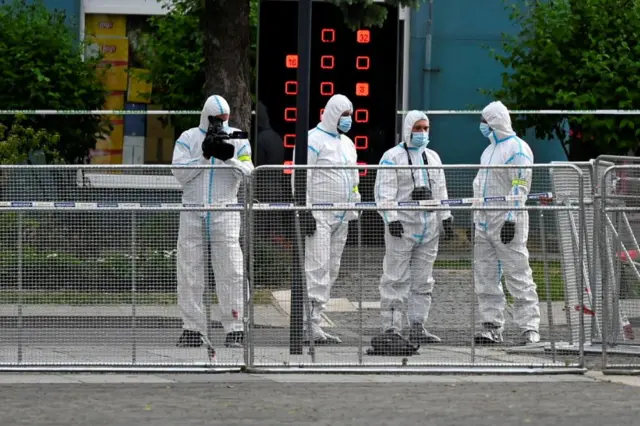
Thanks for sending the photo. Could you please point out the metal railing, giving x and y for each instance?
(618, 245)
(88, 270)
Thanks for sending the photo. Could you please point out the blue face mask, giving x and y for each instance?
(485, 130)
(420, 139)
(344, 124)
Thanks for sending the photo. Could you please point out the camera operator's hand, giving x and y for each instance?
(507, 232)
(215, 142)
(396, 229)
(307, 223)
(214, 145)
(447, 225)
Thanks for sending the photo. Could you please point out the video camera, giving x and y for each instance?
(215, 140)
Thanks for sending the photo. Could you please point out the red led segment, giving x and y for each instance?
(288, 171)
(289, 141)
(362, 115)
(362, 89)
(291, 61)
(290, 114)
(327, 62)
(362, 142)
(364, 171)
(328, 35)
(363, 36)
(291, 87)
(321, 111)
(326, 88)
(362, 62)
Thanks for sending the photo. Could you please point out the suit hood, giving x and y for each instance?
(215, 105)
(336, 106)
(409, 121)
(497, 117)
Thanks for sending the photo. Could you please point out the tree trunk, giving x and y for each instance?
(226, 51)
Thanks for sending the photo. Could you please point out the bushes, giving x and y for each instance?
(112, 271)
(108, 272)
(18, 142)
(41, 67)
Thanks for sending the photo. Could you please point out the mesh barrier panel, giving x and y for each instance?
(352, 271)
(618, 208)
(105, 265)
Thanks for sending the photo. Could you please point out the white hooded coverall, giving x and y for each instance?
(407, 277)
(223, 227)
(323, 249)
(492, 257)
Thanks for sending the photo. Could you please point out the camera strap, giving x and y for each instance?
(424, 159)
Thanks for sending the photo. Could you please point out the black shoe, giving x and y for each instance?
(190, 339)
(420, 336)
(392, 343)
(234, 339)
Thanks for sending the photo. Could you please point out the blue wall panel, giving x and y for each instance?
(462, 32)
(72, 10)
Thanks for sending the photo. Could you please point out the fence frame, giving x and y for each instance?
(248, 207)
(471, 368)
(611, 291)
(121, 181)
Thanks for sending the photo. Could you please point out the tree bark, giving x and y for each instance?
(227, 46)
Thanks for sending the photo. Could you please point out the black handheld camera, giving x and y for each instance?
(216, 143)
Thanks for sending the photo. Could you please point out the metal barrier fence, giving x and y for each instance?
(353, 311)
(88, 272)
(619, 209)
(88, 264)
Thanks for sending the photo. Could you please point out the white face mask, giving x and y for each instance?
(485, 130)
(420, 139)
(344, 124)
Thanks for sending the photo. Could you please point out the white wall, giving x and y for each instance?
(124, 7)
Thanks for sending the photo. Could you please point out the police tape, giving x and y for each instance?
(198, 112)
(365, 205)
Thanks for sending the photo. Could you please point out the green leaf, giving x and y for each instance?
(571, 54)
(41, 67)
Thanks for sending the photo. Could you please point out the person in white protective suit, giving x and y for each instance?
(411, 236)
(222, 227)
(326, 231)
(500, 246)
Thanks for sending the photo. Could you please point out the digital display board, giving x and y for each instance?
(360, 64)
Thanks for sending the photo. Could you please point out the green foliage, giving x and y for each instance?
(17, 142)
(366, 13)
(173, 50)
(41, 67)
(173, 53)
(575, 55)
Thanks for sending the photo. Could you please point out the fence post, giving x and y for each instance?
(247, 281)
(581, 231)
(547, 284)
(133, 287)
(360, 289)
(20, 278)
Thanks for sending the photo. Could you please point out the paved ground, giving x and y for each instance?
(65, 333)
(241, 399)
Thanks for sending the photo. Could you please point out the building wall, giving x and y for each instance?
(71, 9)
(459, 29)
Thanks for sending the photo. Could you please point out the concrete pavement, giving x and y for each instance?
(243, 399)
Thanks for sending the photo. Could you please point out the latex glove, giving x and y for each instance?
(447, 224)
(217, 149)
(396, 229)
(507, 232)
(307, 223)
